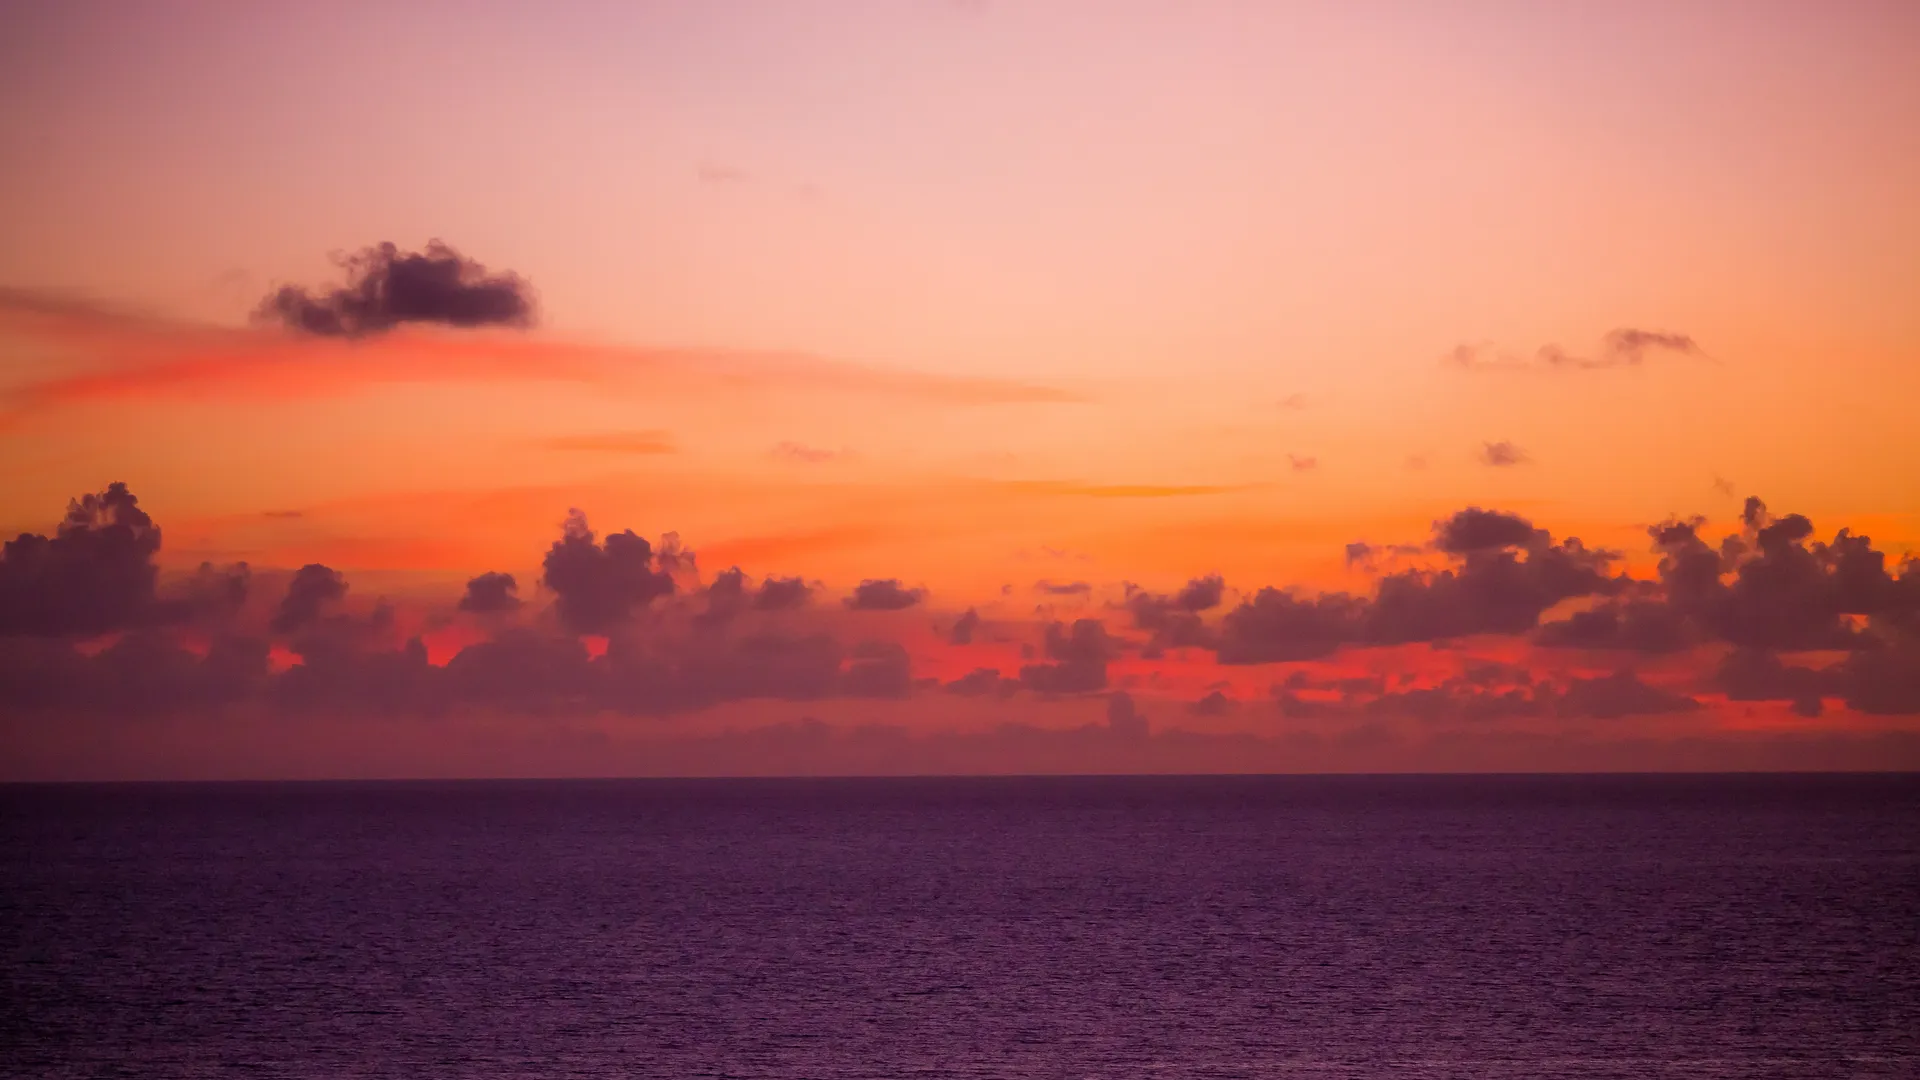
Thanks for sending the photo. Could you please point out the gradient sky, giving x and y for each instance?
(971, 295)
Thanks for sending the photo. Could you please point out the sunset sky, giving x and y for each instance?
(1051, 312)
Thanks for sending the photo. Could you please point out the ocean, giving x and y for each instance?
(1537, 927)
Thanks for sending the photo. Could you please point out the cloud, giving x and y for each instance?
(1062, 588)
(878, 669)
(1772, 588)
(1175, 620)
(1623, 347)
(1079, 656)
(95, 574)
(727, 597)
(597, 586)
(1758, 596)
(981, 682)
(883, 594)
(387, 287)
(1293, 402)
(1123, 716)
(1474, 529)
(313, 587)
(1502, 454)
(1214, 704)
(806, 455)
(717, 174)
(490, 593)
(1302, 464)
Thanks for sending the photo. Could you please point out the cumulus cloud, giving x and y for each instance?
(313, 587)
(387, 287)
(883, 594)
(1175, 620)
(1078, 656)
(490, 593)
(598, 586)
(95, 574)
(964, 627)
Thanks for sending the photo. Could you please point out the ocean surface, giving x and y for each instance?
(1535, 927)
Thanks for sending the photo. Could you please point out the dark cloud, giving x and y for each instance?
(781, 594)
(387, 287)
(1503, 454)
(1175, 620)
(1618, 695)
(1079, 656)
(727, 597)
(598, 586)
(1638, 625)
(878, 670)
(1275, 626)
(982, 681)
(1474, 529)
(490, 593)
(313, 587)
(211, 593)
(1784, 593)
(964, 627)
(1062, 588)
(95, 574)
(1758, 675)
(1500, 590)
(883, 594)
(1214, 704)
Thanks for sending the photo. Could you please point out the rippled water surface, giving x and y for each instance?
(1166, 927)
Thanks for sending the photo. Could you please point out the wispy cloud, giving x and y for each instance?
(1503, 454)
(1624, 347)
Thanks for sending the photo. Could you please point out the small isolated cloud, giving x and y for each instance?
(611, 442)
(1293, 402)
(1301, 463)
(885, 594)
(720, 174)
(1623, 347)
(1502, 454)
(1724, 486)
(804, 454)
(387, 287)
(282, 515)
(1062, 588)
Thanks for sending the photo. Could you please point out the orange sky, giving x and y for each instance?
(971, 296)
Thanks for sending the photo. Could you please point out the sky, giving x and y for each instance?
(1074, 387)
